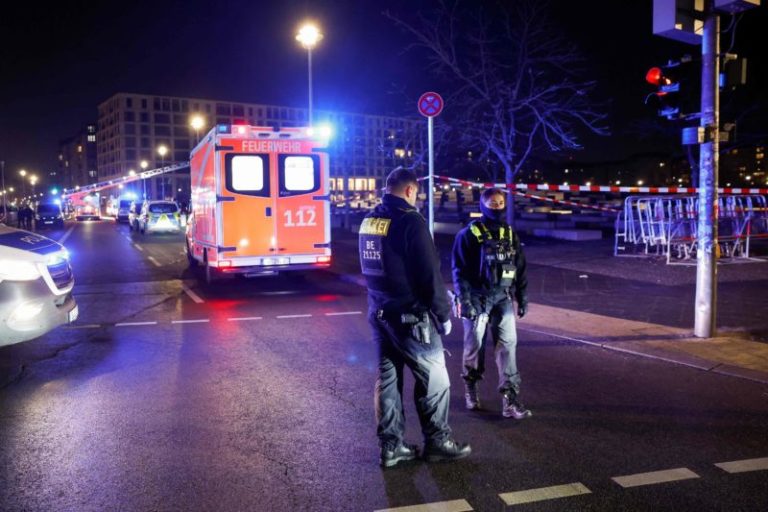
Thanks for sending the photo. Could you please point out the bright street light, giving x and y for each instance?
(309, 35)
(197, 122)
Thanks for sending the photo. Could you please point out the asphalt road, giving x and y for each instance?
(257, 395)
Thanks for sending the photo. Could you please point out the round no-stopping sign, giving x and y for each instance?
(430, 104)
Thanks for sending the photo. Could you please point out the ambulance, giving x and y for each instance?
(260, 201)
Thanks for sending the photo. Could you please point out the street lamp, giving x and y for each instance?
(144, 164)
(33, 182)
(23, 174)
(162, 150)
(197, 122)
(309, 35)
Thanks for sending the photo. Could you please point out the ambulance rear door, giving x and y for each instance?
(247, 221)
(303, 224)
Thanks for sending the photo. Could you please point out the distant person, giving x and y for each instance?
(459, 201)
(443, 200)
(408, 309)
(489, 269)
(29, 214)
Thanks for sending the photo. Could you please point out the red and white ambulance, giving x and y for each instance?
(260, 201)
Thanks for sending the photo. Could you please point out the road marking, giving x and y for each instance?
(199, 321)
(138, 247)
(83, 326)
(153, 260)
(132, 324)
(344, 313)
(654, 477)
(441, 506)
(66, 235)
(544, 493)
(244, 318)
(742, 466)
(294, 316)
(192, 295)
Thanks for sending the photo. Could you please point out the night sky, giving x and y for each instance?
(59, 60)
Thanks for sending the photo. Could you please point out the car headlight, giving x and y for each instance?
(57, 258)
(14, 270)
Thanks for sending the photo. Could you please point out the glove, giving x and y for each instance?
(522, 309)
(468, 311)
(445, 327)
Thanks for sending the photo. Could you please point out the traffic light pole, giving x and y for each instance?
(707, 246)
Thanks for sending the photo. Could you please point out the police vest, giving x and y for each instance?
(497, 255)
(371, 240)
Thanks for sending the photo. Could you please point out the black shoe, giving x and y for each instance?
(392, 456)
(446, 450)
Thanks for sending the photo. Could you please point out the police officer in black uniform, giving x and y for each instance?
(408, 310)
(488, 271)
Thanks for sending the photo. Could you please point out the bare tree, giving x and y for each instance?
(514, 81)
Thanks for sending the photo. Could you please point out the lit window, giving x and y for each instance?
(247, 173)
(299, 173)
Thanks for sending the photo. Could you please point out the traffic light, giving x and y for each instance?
(666, 97)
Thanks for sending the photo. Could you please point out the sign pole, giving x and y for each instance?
(707, 244)
(430, 105)
(431, 191)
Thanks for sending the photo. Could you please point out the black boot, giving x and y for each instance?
(512, 408)
(392, 456)
(446, 450)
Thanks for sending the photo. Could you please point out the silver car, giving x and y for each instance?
(36, 284)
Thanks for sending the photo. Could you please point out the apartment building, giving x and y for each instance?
(77, 159)
(133, 127)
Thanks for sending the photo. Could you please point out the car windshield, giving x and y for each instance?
(125, 204)
(48, 209)
(162, 208)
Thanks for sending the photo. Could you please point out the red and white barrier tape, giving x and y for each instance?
(599, 188)
(569, 203)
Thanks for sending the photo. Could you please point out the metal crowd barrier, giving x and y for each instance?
(667, 226)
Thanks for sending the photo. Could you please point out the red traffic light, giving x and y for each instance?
(655, 76)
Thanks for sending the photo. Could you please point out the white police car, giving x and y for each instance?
(36, 284)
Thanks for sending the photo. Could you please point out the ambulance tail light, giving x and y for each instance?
(323, 259)
(225, 263)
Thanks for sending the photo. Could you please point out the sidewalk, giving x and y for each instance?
(580, 292)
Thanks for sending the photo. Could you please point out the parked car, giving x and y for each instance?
(124, 210)
(36, 284)
(49, 215)
(159, 216)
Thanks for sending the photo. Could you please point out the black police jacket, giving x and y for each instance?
(399, 261)
(466, 264)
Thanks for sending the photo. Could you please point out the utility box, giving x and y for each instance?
(681, 20)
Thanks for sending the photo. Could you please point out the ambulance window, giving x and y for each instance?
(247, 174)
(299, 174)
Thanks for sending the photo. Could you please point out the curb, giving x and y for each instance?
(656, 353)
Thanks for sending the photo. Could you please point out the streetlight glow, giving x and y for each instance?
(197, 122)
(162, 150)
(309, 35)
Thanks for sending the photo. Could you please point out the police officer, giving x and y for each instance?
(408, 310)
(488, 271)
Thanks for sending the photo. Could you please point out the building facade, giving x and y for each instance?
(77, 159)
(132, 127)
